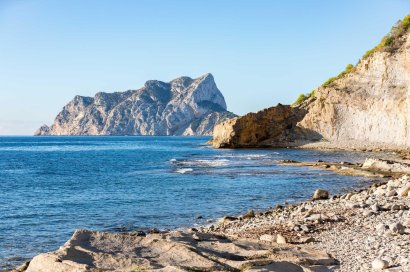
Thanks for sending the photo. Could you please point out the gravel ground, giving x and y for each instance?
(365, 231)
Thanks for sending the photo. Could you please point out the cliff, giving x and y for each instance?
(183, 106)
(275, 126)
(366, 105)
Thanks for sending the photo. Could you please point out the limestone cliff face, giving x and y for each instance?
(369, 104)
(183, 106)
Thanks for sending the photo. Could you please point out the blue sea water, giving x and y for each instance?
(50, 186)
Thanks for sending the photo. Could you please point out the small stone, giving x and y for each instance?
(140, 233)
(280, 239)
(250, 214)
(391, 193)
(397, 228)
(375, 207)
(404, 191)
(381, 227)
(353, 205)
(314, 217)
(396, 207)
(267, 238)
(304, 228)
(152, 231)
(367, 213)
(320, 194)
(196, 237)
(307, 240)
(379, 264)
(302, 209)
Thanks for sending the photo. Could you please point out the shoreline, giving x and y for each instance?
(257, 233)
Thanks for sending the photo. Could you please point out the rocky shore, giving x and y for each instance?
(364, 230)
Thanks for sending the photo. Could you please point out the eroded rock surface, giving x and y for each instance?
(275, 126)
(174, 251)
(183, 106)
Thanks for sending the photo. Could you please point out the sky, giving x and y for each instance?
(260, 52)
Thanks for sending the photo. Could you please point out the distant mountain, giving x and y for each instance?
(184, 106)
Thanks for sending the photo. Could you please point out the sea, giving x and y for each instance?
(51, 186)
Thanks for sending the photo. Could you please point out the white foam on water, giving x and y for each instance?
(210, 163)
(184, 170)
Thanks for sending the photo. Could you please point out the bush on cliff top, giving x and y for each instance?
(303, 97)
(391, 41)
(348, 68)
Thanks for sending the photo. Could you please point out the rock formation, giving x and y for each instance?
(366, 105)
(276, 126)
(183, 106)
(173, 251)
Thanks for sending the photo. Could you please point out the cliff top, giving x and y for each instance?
(390, 43)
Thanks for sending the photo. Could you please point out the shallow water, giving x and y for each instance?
(50, 186)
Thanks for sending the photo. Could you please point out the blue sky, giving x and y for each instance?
(260, 52)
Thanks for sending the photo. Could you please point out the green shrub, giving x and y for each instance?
(389, 41)
(405, 24)
(348, 68)
(300, 99)
(303, 97)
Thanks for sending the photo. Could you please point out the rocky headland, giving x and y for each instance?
(365, 106)
(184, 106)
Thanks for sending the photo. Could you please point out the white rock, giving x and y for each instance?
(280, 239)
(391, 193)
(381, 227)
(267, 238)
(404, 191)
(375, 207)
(379, 264)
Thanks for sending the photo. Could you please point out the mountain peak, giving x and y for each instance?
(184, 106)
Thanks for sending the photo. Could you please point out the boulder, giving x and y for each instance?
(320, 194)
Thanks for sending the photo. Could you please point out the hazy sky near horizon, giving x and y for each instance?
(260, 52)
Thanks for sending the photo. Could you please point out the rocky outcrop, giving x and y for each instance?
(276, 126)
(366, 105)
(173, 251)
(183, 106)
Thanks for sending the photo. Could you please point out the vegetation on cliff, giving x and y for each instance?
(392, 40)
(303, 97)
(390, 43)
(348, 68)
(327, 83)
